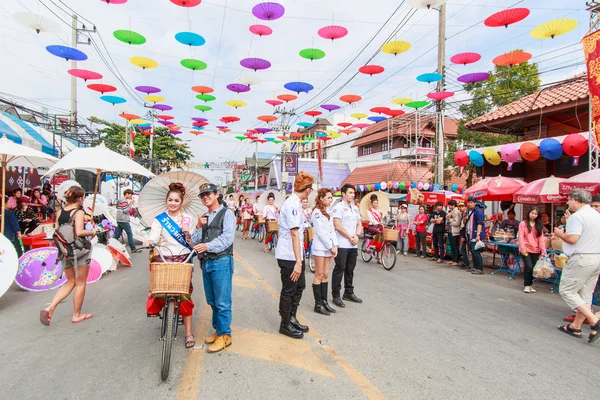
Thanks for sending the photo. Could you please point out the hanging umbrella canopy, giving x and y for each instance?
(190, 39)
(348, 131)
(166, 123)
(147, 89)
(439, 96)
(556, 27)
(371, 69)
(361, 125)
(465, 58)
(241, 137)
(287, 97)
(175, 132)
(417, 104)
(274, 103)
(506, 17)
(129, 117)
(102, 88)
(379, 110)
(236, 103)
(203, 108)
(186, 3)
(143, 62)
(313, 113)
(299, 87)
(129, 37)
(543, 190)
(396, 47)
(474, 77)
(377, 118)
(113, 99)
(200, 123)
(37, 22)
(268, 11)
(162, 107)
(196, 132)
(359, 115)
(193, 64)
(68, 53)
(202, 89)
(305, 124)
(394, 113)
(206, 97)
(312, 54)
(330, 107)
(333, 32)
(238, 88)
(261, 130)
(84, 74)
(345, 124)
(589, 180)
(430, 77)
(152, 98)
(261, 30)
(267, 118)
(512, 58)
(249, 80)
(199, 119)
(230, 119)
(402, 100)
(350, 98)
(498, 188)
(255, 63)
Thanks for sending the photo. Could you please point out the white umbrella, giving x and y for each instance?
(97, 207)
(63, 187)
(262, 200)
(16, 155)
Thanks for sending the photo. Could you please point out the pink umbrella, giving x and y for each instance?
(95, 272)
(543, 190)
(589, 180)
(499, 188)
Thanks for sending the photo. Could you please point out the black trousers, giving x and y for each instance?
(439, 247)
(291, 292)
(454, 246)
(28, 227)
(17, 244)
(421, 243)
(464, 250)
(528, 264)
(345, 262)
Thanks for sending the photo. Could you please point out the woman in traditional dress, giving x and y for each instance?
(270, 213)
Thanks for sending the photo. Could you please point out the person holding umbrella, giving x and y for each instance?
(124, 218)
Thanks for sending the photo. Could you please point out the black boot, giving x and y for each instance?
(324, 288)
(296, 324)
(338, 302)
(287, 329)
(319, 309)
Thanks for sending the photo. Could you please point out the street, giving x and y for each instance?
(424, 331)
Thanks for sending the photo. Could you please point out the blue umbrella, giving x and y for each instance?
(113, 99)
(68, 53)
(299, 87)
(377, 118)
(190, 38)
(429, 77)
(476, 158)
(304, 124)
(551, 149)
(270, 139)
(321, 134)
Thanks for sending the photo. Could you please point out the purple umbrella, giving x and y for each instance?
(263, 130)
(221, 127)
(165, 123)
(147, 89)
(474, 77)
(330, 107)
(255, 63)
(268, 11)
(145, 128)
(162, 107)
(40, 270)
(238, 88)
(175, 132)
(199, 119)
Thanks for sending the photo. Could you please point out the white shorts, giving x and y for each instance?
(322, 253)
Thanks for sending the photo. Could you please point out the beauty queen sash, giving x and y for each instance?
(173, 229)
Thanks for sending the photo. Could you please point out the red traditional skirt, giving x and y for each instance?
(154, 306)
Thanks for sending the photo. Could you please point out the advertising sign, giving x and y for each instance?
(290, 163)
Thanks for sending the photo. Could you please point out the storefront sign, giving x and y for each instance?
(545, 198)
(291, 163)
(58, 179)
(567, 187)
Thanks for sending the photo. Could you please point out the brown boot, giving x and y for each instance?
(211, 339)
(220, 344)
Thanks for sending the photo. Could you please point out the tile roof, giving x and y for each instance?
(399, 172)
(571, 90)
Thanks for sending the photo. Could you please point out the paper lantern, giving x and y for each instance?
(389, 184)
(461, 158)
(551, 149)
(436, 186)
(413, 185)
(575, 145)
(377, 186)
(454, 187)
(401, 185)
(529, 151)
(491, 156)
(476, 158)
(383, 185)
(396, 185)
(426, 186)
(420, 185)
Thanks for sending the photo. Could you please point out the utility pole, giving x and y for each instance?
(283, 128)
(439, 178)
(73, 78)
(256, 165)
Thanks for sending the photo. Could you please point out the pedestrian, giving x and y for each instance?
(464, 243)
(247, 213)
(511, 224)
(402, 224)
(547, 223)
(124, 218)
(325, 246)
(213, 241)
(73, 214)
(531, 245)
(270, 213)
(12, 230)
(475, 234)
(307, 213)
(290, 257)
(375, 226)
(28, 220)
(438, 219)
(580, 275)
(231, 203)
(420, 221)
(40, 202)
(455, 220)
(348, 225)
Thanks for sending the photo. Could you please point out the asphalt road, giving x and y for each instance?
(423, 332)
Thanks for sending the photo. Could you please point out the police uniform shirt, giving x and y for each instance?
(350, 215)
(290, 217)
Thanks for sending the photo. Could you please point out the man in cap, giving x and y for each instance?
(213, 241)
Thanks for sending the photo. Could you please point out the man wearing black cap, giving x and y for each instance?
(213, 241)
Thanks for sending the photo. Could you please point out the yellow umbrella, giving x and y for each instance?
(556, 27)
(331, 132)
(236, 103)
(395, 47)
(137, 122)
(152, 98)
(365, 204)
(143, 62)
(491, 156)
(402, 100)
(359, 115)
(334, 135)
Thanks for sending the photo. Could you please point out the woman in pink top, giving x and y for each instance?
(531, 245)
(421, 228)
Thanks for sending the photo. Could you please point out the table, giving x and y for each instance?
(510, 258)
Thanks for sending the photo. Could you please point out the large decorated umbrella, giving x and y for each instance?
(37, 22)
(350, 98)
(299, 87)
(255, 63)
(512, 58)
(119, 252)
(499, 188)
(97, 207)
(261, 30)
(330, 107)
(68, 53)
(430, 77)
(274, 103)
(152, 200)
(506, 17)
(465, 58)
(249, 80)
(40, 270)
(147, 89)
(401, 100)
(365, 204)
(143, 62)
(236, 103)
(94, 272)
(589, 180)
(238, 88)
(103, 257)
(371, 69)
(543, 190)
(102, 88)
(312, 54)
(113, 99)
(202, 89)
(473, 77)
(556, 27)
(287, 97)
(8, 264)
(193, 64)
(268, 11)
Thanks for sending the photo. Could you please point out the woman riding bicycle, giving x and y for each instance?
(270, 213)
(375, 227)
(170, 232)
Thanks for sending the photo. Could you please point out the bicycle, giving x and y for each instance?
(255, 230)
(384, 249)
(271, 240)
(261, 232)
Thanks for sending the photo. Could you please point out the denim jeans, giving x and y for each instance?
(477, 258)
(217, 276)
(464, 251)
(454, 246)
(124, 226)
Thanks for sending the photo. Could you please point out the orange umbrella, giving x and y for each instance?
(350, 98)
(287, 97)
(267, 118)
(202, 89)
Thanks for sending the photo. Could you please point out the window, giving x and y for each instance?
(384, 146)
(366, 150)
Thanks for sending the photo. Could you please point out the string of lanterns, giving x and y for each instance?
(392, 186)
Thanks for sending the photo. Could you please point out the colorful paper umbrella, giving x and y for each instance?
(276, 141)
(221, 126)
(499, 188)
(430, 77)
(348, 131)
(476, 158)
(193, 64)
(165, 117)
(333, 32)
(40, 270)
(241, 137)
(491, 156)
(296, 135)
(313, 113)
(474, 77)
(439, 96)
(312, 54)
(575, 145)
(330, 107)
(402, 100)
(206, 97)
(551, 149)
(377, 118)
(556, 27)
(186, 3)
(320, 134)
(238, 88)
(114, 1)
(143, 62)
(229, 119)
(137, 121)
(165, 123)
(236, 103)
(84, 74)
(129, 117)
(129, 37)
(359, 115)
(512, 58)
(506, 17)
(379, 110)
(345, 124)
(350, 98)
(261, 130)
(509, 153)
(203, 108)
(299, 87)
(37, 22)
(371, 69)
(361, 125)
(68, 53)
(113, 99)
(268, 11)
(249, 80)
(465, 58)
(196, 133)
(102, 88)
(200, 123)
(417, 104)
(274, 103)
(270, 139)
(394, 113)
(202, 89)
(224, 130)
(175, 132)
(152, 98)
(267, 118)
(326, 138)
(304, 124)
(287, 97)
(529, 151)
(162, 107)
(199, 119)
(461, 158)
(252, 137)
(255, 63)
(396, 47)
(261, 30)
(147, 89)
(190, 39)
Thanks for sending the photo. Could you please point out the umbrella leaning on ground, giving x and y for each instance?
(16, 155)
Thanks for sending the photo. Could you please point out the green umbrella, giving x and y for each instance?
(312, 54)
(417, 104)
(206, 97)
(203, 108)
(241, 137)
(276, 141)
(193, 64)
(129, 37)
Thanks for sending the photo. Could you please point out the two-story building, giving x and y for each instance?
(310, 149)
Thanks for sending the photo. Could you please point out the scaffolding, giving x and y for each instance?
(594, 9)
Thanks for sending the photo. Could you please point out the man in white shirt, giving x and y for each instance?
(347, 222)
(290, 257)
(582, 244)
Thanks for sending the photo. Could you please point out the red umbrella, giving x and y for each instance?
(186, 3)
(589, 180)
(394, 113)
(380, 110)
(506, 17)
(313, 113)
(512, 58)
(274, 103)
(350, 98)
(499, 188)
(361, 125)
(261, 30)
(465, 58)
(228, 120)
(371, 69)
(333, 32)
(102, 88)
(164, 117)
(84, 74)
(200, 123)
(543, 190)
(345, 124)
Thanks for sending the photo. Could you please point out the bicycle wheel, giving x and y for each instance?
(388, 256)
(169, 321)
(311, 262)
(365, 254)
(274, 241)
(261, 233)
(254, 232)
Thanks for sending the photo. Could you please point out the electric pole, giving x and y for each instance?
(439, 178)
(74, 42)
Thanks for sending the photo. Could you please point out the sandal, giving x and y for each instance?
(190, 341)
(570, 331)
(593, 336)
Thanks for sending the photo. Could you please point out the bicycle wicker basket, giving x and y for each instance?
(170, 278)
(272, 226)
(309, 234)
(261, 219)
(390, 235)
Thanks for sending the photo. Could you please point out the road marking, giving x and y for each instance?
(353, 373)
(243, 282)
(192, 372)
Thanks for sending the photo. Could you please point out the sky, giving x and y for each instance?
(36, 78)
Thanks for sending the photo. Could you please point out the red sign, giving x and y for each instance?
(544, 198)
(430, 198)
(566, 187)
(58, 179)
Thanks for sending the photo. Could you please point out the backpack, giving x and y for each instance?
(69, 245)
